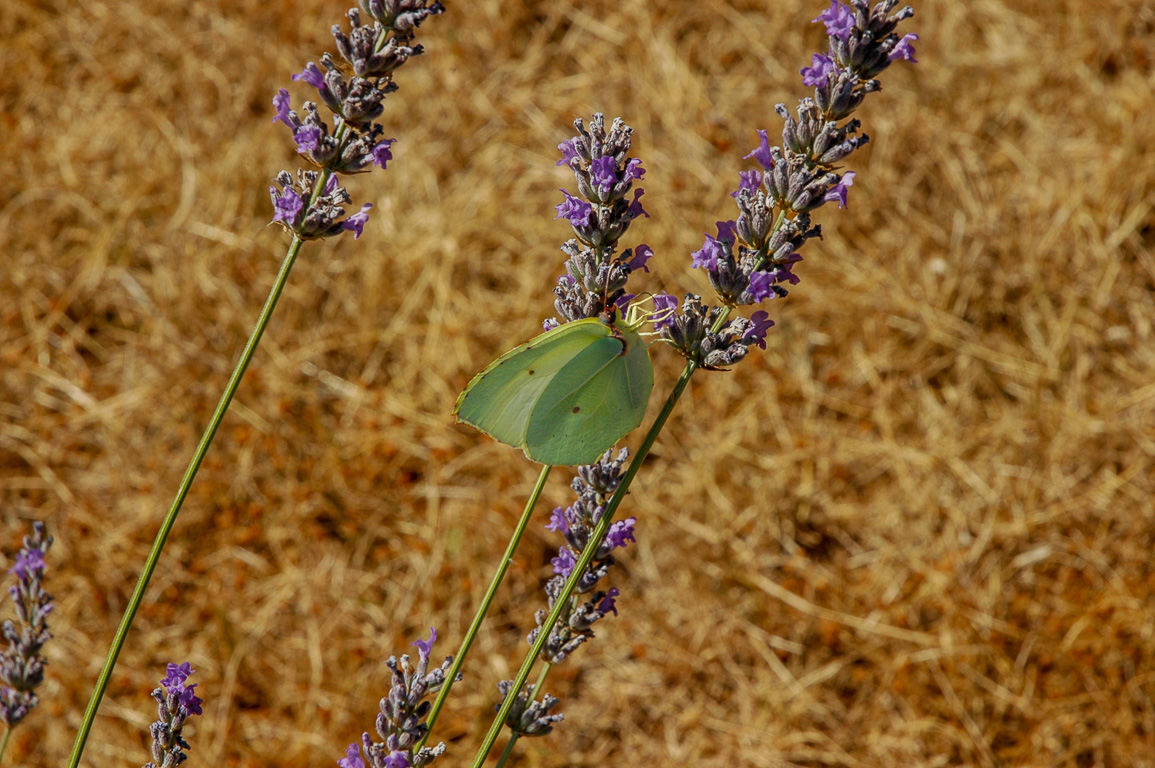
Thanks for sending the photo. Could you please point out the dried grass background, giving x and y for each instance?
(916, 530)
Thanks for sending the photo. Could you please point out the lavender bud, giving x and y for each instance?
(605, 475)
(528, 717)
(401, 16)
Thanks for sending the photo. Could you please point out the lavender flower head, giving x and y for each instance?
(596, 274)
(400, 723)
(21, 665)
(751, 259)
(352, 90)
(176, 703)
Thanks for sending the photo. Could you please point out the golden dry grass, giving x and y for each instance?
(916, 531)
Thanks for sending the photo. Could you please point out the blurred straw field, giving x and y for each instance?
(916, 530)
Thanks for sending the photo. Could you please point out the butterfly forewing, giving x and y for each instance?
(577, 408)
(500, 399)
(599, 398)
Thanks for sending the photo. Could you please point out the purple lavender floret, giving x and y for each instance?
(577, 211)
(691, 333)
(371, 53)
(606, 203)
(176, 703)
(400, 724)
(761, 153)
(324, 216)
(21, 664)
(621, 533)
(819, 70)
(564, 562)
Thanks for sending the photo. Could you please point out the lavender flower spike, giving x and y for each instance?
(606, 203)
(21, 665)
(355, 143)
(752, 258)
(400, 724)
(176, 704)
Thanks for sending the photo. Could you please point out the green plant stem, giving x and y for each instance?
(586, 558)
(4, 744)
(505, 753)
(182, 491)
(483, 609)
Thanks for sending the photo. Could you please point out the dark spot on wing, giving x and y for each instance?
(532, 371)
(576, 408)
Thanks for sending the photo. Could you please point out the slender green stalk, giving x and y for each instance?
(471, 633)
(584, 561)
(4, 744)
(182, 491)
(505, 753)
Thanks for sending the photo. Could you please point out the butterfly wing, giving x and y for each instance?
(594, 401)
(500, 399)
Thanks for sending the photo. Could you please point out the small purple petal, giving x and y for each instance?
(604, 174)
(839, 20)
(760, 283)
(576, 210)
(761, 323)
(190, 701)
(623, 302)
(311, 75)
(783, 271)
(762, 153)
(281, 104)
(568, 151)
(397, 760)
(550, 323)
(176, 675)
(727, 230)
(331, 184)
(352, 758)
(356, 222)
(286, 206)
(707, 255)
(817, 74)
(564, 562)
(28, 564)
(635, 208)
(607, 604)
(664, 307)
(837, 193)
(381, 152)
(425, 647)
(904, 49)
(557, 521)
(622, 532)
(634, 169)
(750, 181)
(307, 137)
(642, 254)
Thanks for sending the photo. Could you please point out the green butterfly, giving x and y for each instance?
(567, 395)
